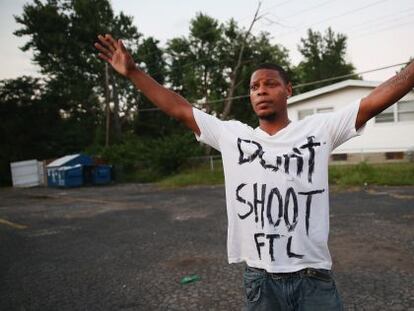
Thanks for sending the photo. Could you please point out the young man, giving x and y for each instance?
(276, 179)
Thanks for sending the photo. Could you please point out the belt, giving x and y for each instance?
(320, 274)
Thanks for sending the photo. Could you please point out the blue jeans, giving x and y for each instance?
(300, 292)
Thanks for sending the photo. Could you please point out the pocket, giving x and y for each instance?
(322, 281)
(253, 284)
(322, 275)
(320, 294)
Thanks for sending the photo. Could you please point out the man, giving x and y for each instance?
(276, 179)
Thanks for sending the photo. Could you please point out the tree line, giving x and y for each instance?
(64, 111)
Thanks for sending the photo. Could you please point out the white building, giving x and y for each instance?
(387, 137)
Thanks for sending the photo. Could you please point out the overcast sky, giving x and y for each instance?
(380, 32)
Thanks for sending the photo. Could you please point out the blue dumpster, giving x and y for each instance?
(67, 171)
(101, 174)
(71, 176)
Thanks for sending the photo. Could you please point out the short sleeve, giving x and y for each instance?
(210, 128)
(341, 124)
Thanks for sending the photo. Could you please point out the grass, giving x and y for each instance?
(391, 174)
(198, 176)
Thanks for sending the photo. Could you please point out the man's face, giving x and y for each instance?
(268, 93)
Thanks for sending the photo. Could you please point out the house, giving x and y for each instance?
(387, 137)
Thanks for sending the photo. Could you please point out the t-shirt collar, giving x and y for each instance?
(262, 133)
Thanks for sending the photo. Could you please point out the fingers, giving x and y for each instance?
(108, 47)
(112, 41)
(121, 45)
(104, 57)
(103, 50)
(107, 42)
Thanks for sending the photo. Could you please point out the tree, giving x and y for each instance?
(32, 124)
(215, 63)
(259, 50)
(324, 57)
(235, 70)
(61, 36)
(151, 122)
(212, 63)
(194, 61)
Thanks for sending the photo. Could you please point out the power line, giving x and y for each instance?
(385, 18)
(200, 60)
(384, 29)
(262, 15)
(212, 30)
(306, 10)
(335, 17)
(347, 75)
(265, 13)
(295, 86)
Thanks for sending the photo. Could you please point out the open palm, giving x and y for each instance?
(114, 52)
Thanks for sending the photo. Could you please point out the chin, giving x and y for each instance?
(269, 116)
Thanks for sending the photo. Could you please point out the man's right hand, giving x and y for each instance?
(114, 52)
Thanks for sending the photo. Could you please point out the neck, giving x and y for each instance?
(271, 127)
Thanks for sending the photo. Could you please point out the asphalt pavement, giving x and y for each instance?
(126, 247)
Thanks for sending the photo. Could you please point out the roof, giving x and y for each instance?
(63, 160)
(332, 88)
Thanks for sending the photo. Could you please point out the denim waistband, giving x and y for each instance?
(322, 274)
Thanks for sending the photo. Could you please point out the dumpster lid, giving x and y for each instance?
(63, 160)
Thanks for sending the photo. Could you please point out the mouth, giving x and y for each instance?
(262, 104)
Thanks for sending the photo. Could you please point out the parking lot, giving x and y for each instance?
(126, 247)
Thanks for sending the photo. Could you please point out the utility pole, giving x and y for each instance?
(233, 75)
(107, 107)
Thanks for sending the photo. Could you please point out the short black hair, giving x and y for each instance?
(282, 72)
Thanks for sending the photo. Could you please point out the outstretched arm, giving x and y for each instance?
(114, 52)
(385, 95)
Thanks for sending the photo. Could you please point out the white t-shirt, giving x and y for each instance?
(277, 187)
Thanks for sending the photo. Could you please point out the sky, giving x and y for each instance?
(380, 32)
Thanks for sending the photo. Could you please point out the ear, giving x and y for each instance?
(289, 89)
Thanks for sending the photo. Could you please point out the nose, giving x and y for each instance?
(261, 90)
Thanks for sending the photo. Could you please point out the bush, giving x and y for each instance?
(145, 159)
(169, 154)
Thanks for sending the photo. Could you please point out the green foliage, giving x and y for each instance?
(201, 64)
(152, 123)
(324, 57)
(27, 119)
(144, 160)
(169, 153)
(200, 176)
(372, 174)
(64, 112)
(195, 68)
(362, 174)
(61, 35)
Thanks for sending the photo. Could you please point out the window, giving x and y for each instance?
(307, 112)
(405, 110)
(386, 116)
(394, 155)
(323, 110)
(304, 113)
(339, 157)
